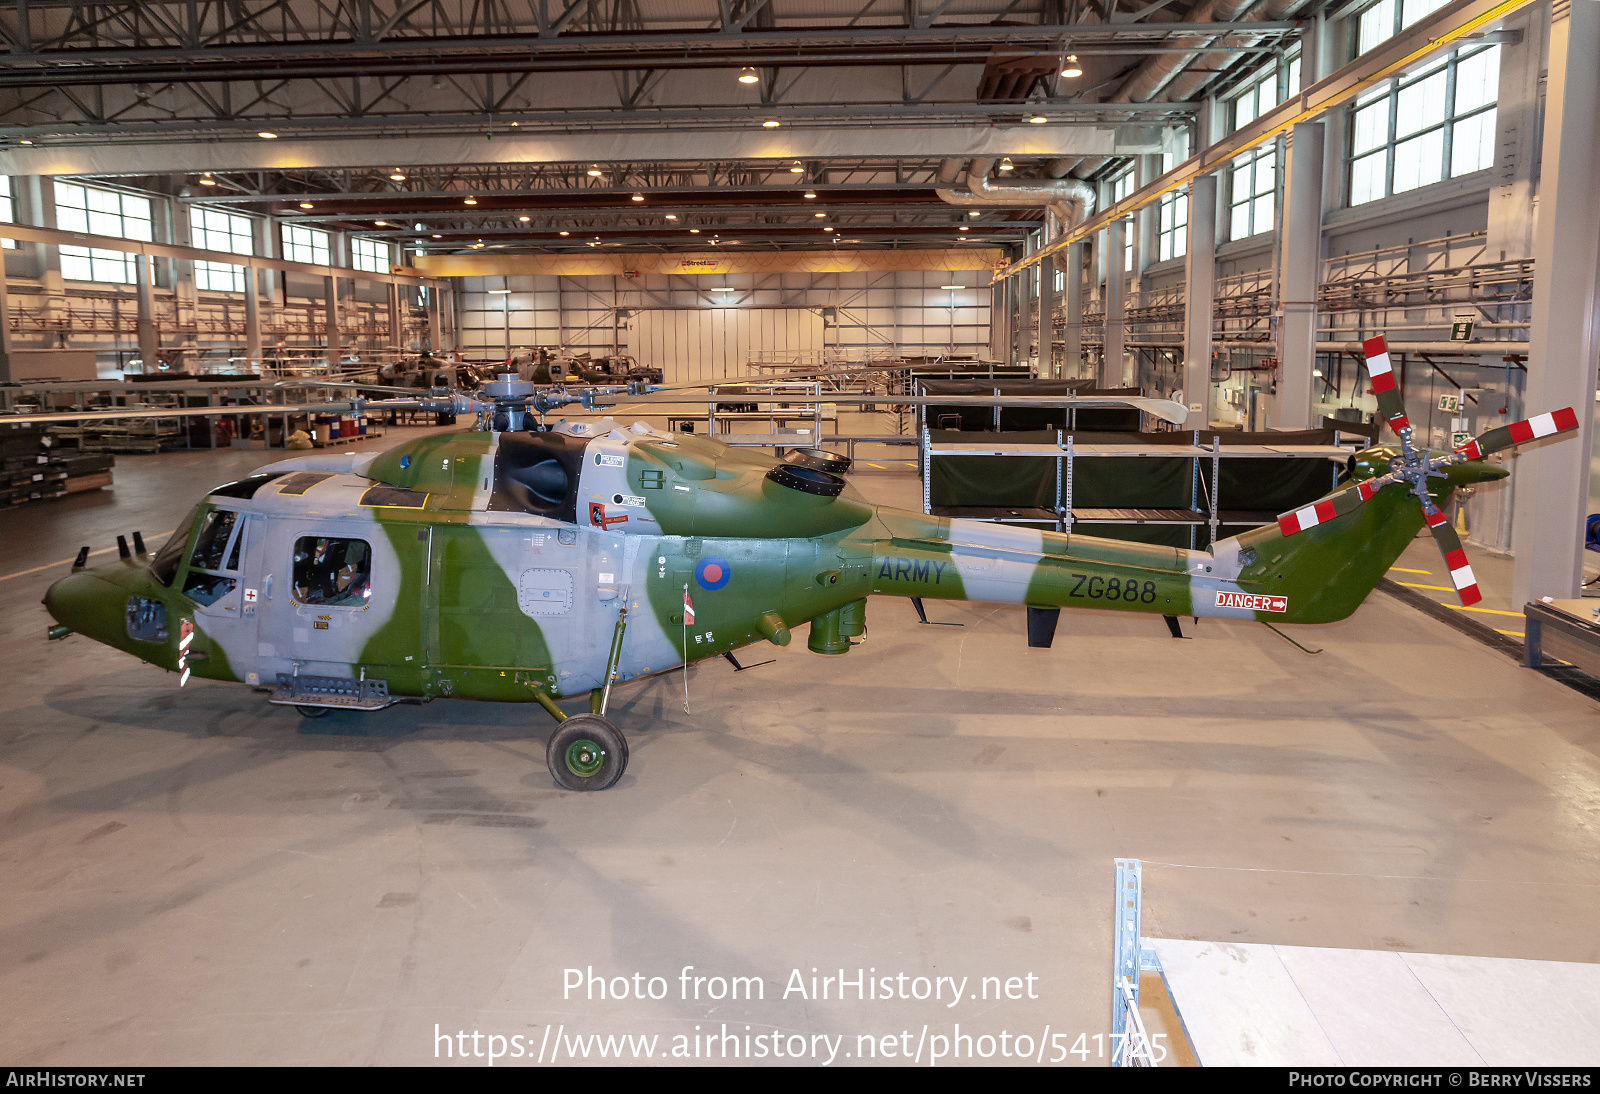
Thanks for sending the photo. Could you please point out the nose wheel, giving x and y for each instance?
(586, 752)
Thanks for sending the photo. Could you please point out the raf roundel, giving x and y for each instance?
(712, 573)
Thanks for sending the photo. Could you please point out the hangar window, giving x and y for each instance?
(106, 213)
(1386, 18)
(1432, 125)
(1252, 180)
(369, 255)
(1121, 187)
(214, 230)
(336, 572)
(305, 245)
(1173, 230)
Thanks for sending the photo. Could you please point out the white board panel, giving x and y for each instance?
(704, 344)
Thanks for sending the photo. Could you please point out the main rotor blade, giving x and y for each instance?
(1334, 505)
(1564, 420)
(124, 413)
(1455, 558)
(1381, 373)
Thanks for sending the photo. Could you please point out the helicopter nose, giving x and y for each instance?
(86, 604)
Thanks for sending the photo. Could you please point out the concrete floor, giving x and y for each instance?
(195, 877)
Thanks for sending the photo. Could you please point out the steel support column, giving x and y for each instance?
(330, 292)
(252, 319)
(1111, 367)
(1024, 322)
(1199, 306)
(1300, 259)
(1552, 482)
(433, 316)
(1072, 327)
(149, 341)
(1047, 318)
(5, 326)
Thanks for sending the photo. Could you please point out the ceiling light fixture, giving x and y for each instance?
(397, 175)
(1072, 70)
(1038, 119)
(827, 228)
(963, 228)
(796, 168)
(474, 201)
(25, 140)
(638, 197)
(305, 205)
(748, 76)
(672, 216)
(524, 220)
(594, 171)
(438, 237)
(264, 135)
(811, 193)
(819, 214)
(565, 233)
(207, 180)
(380, 223)
(952, 286)
(694, 231)
(974, 213)
(771, 123)
(1005, 164)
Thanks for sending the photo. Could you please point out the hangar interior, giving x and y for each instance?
(1175, 227)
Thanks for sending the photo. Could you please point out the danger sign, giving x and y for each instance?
(1254, 602)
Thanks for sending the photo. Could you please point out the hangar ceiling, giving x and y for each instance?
(467, 124)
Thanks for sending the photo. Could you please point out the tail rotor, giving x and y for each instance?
(1415, 468)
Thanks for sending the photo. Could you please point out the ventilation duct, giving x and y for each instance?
(1067, 201)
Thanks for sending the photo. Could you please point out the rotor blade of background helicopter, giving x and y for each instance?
(1165, 409)
(121, 413)
(1335, 505)
(1455, 559)
(1530, 429)
(1381, 374)
(344, 384)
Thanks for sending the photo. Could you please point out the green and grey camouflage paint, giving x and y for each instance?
(476, 594)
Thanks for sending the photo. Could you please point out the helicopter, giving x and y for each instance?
(523, 562)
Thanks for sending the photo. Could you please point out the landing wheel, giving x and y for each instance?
(586, 752)
(312, 712)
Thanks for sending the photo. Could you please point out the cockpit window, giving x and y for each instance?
(165, 565)
(245, 488)
(336, 572)
(213, 540)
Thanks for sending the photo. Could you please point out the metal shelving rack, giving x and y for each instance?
(1204, 509)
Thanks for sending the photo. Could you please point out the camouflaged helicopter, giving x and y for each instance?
(518, 563)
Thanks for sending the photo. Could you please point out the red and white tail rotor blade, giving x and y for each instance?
(1381, 374)
(1335, 505)
(1455, 559)
(1564, 420)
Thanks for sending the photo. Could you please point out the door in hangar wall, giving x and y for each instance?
(694, 344)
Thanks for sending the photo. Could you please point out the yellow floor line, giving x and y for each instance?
(1513, 634)
(1403, 570)
(1486, 611)
(1440, 588)
(64, 561)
